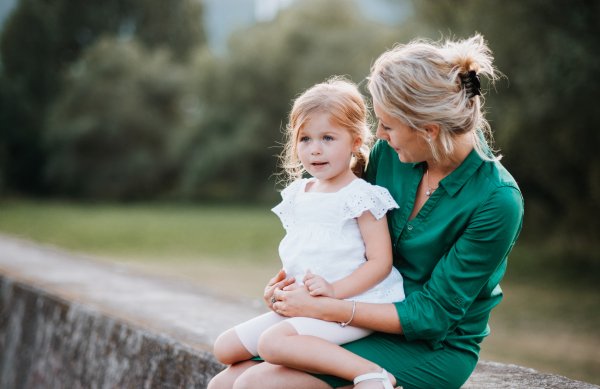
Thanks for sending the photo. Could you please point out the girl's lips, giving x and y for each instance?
(318, 165)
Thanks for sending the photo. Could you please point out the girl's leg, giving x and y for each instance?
(227, 378)
(268, 376)
(229, 349)
(241, 343)
(281, 345)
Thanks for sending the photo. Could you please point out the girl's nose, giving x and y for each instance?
(315, 149)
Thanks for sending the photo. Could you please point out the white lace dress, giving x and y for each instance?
(323, 234)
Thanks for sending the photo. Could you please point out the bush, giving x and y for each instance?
(246, 96)
(42, 39)
(110, 133)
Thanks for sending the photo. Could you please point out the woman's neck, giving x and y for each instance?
(462, 149)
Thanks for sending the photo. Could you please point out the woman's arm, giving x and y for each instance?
(461, 274)
(378, 244)
(454, 284)
(296, 301)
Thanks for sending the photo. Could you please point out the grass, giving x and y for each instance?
(545, 322)
(165, 232)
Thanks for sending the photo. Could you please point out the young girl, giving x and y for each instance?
(337, 241)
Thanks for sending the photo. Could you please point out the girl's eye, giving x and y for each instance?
(304, 139)
(327, 137)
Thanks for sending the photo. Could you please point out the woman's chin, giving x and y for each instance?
(403, 158)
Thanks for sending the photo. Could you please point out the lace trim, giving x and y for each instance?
(285, 209)
(367, 197)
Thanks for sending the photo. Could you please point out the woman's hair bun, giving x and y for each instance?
(437, 82)
(470, 54)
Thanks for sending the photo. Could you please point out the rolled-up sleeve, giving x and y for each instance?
(464, 270)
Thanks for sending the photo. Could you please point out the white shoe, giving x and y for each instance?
(382, 377)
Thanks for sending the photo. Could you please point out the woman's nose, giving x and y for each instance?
(380, 134)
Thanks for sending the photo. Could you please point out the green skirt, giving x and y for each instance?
(414, 364)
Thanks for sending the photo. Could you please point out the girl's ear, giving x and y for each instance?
(432, 130)
(357, 144)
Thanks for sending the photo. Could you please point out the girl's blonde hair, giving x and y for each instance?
(346, 107)
(420, 83)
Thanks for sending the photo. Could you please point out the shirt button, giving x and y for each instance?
(410, 227)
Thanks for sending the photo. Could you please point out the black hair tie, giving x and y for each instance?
(472, 83)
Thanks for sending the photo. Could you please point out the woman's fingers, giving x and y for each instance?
(284, 283)
(292, 287)
(278, 278)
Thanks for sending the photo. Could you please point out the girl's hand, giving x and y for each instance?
(295, 300)
(317, 286)
(277, 282)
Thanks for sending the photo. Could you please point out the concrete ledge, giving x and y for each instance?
(69, 321)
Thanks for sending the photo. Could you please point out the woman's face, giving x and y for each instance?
(410, 146)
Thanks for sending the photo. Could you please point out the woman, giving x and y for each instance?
(460, 215)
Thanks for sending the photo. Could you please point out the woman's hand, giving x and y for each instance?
(277, 282)
(295, 300)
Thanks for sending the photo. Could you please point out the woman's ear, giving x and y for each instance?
(432, 130)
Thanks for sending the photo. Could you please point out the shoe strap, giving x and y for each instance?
(383, 377)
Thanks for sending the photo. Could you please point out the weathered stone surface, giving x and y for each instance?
(497, 375)
(47, 342)
(69, 321)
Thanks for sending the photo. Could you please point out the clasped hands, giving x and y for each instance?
(314, 285)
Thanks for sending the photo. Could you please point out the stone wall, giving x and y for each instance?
(68, 321)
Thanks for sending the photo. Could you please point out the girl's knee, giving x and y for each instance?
(221, 349)
(271, 344)
(228, 348)
(268, 346)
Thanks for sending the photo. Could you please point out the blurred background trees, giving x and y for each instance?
(123, 99)
(131, 101)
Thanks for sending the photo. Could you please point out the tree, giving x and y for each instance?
(42, 39)
(247, 96)
(544, 116)
(111, 132)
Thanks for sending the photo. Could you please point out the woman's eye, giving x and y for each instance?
(384, 127)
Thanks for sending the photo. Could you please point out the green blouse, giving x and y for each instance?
(453, 254)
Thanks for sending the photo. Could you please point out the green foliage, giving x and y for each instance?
(544, 115)
(42, 39)
(110, 133)
(246, 97)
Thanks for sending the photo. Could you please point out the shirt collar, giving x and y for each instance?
(455, 180)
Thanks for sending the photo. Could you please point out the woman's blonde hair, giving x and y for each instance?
(420, 83)
(346, 107)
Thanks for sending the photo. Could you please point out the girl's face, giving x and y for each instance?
(410, 146)
(325, 148)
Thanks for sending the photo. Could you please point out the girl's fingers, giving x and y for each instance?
(308, 277)
(316, 292)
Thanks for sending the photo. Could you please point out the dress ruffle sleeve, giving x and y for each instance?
(366, 197)
(285, 209)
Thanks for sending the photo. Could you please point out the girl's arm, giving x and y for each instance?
(378, 244)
